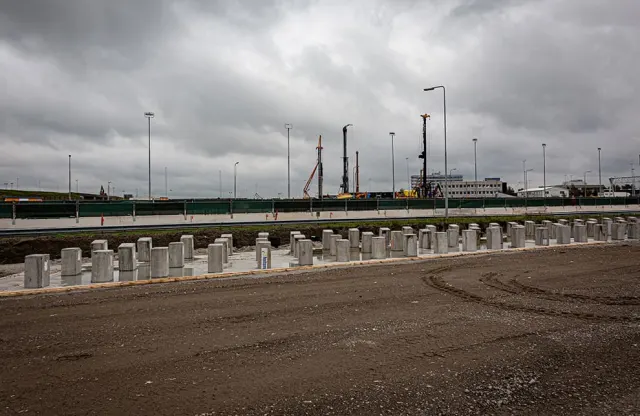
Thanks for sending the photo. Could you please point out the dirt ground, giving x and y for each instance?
(552, 332)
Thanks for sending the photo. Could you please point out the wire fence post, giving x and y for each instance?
(13, 213)
(77, 212)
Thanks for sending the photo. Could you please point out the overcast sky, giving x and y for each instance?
(223, 77)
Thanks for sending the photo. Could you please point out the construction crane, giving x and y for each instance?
(317, 167)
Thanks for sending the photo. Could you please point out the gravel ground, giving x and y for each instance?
(553, 332)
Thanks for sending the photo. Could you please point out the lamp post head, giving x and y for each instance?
(544, 145)
(288, 126)
(236, 163)
(392, 133)
(599, 148)
(149, 114)
(475, 139)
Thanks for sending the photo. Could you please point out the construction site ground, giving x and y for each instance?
(541, 332)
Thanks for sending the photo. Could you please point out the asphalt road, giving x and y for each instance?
(543, 332)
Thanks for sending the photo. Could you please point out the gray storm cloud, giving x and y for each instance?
(223, 78)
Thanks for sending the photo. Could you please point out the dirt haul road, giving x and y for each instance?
(541, 332)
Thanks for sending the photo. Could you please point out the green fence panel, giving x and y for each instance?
(241, 206)
(393, 204)
(209, 208)
(6, 210)
(108, 209)
(159, 207)
(42, 210)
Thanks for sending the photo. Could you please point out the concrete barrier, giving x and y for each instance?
(264, 250)
(442, 243)
(367, 238)
(563, 234)
(102, 266)
(214, 258)
(453, 237)
(144, 246)
(494, 238)
(187, 240)
(411, 243)
(333, 244)
(469, 240)
(326, 235)
(225, 243)
(542, 236)
(378, 247)
(599, 232)
(99, 245)
(518, 236)
(386, 233)
(305, 252)
(71, 261)
(342, 250)
(229, 237)
(36, 271)
(176, 255)
(354, 238)
(127, 257)
(397, 241)
(579, 233)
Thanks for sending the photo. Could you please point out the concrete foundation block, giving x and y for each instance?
(529, 230)
(599, 233)
(187, 240)
(590, 228)
(99, 245)
(423, 239)
(407, 230)
(342, 250)
(563, 222)
(367, 238)
(264, 235)
(397, 241)
(214, 258)
(176, 255)
(563, 234)
(354, 238)
(37, 269)
(229, 237)
(333, 244)
(510, 225)
(542, 236)
(305, 252)
(292, 234)
(326, 235)
(607, 222)
(71, 261)
(432, 235)
(144, 246)
(579, 233)
(453, 234)
(386, 233)
(469, 240)
(442, 243)
(296, 239)
(633, 230)
(225, 243)
(159, 262)
(518, 236)
(263, 240)
(619, 219)
(549, 225)
(618, 230)
(102, 266)
(411, 243)
(494, 238)
(264, 250)
(127, 257)
(494, 224)
(378, 247)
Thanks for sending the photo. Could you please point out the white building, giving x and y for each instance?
(551, 191)
(473, 189)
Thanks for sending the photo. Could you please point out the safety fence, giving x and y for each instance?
(72, 209)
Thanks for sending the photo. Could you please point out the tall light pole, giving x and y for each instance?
(393, 167)
(584, 189)
(69, 177)
(108, 190)
(76, 187)
(235, 177)
(149, 115)
(475, 163)
(599, 171)
(220, 181)
(451, 172)
(544, 173)
(288, 127)
(408, 177)
(446, 181)
(633, 180)
(166, 182)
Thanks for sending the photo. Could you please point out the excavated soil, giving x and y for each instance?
(549, 332)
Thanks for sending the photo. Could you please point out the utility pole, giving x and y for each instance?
(544, 173)
(393, 167)
(235, 177)
(288, 127)
(475, 163)
(166, 187)
(423, 155)
(220, 181)
(357, 173)
(149, 115)
(69, 177)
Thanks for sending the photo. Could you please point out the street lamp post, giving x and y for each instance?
(584, 188)
(393, 168)
(69, 177)
(408, 178)
(599, 171)
(544, 173)
(77, 186)
(446, 181)
(475, 163)
(109, 191)
(235, 176)
(288, 127)
(149, 115)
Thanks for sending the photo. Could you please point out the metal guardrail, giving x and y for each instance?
(119, 228)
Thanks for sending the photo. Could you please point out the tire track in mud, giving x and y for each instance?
(436, 281)
(517, 288)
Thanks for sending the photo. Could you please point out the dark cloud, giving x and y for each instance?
(223, 78)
